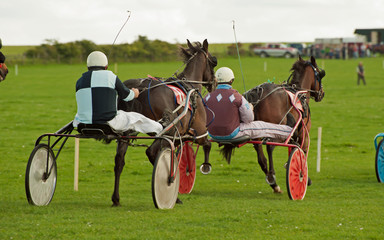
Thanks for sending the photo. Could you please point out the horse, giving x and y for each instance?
(3, 71)
(3, 67)
(156, 101)
(272, 104)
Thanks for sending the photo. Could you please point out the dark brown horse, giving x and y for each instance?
(3, 67)
(157, 101)
(3, 71)
(272, 104)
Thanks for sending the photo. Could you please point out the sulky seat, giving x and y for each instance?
(234, 141)
(95, 129)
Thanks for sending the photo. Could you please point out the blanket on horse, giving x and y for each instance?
(180, 96)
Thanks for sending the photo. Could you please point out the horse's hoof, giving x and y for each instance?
(178, 201)
(116, 205)
(277, 190)
(206, 168)
(309, 182)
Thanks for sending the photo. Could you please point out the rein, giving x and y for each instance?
(170, 82)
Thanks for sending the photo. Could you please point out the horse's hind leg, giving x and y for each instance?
(206, 167)
(153, 150)
(271, 179)
(121, 150)
(269, 173)
(262, 160)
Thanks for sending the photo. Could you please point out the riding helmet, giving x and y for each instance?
(97, 59)
(224, 75)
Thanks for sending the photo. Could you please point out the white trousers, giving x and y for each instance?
(124, 121)
(261, 129)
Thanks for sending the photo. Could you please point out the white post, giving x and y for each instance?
(322, 64)
(265, 66)
(115, 68)
(16, 70)
(76, 165)
(383, 64)
(318, 148)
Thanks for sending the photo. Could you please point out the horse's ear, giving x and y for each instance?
(205, 45)
(190, 46)
(300, 59)
(313, 61)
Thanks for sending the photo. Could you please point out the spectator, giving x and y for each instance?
(360, 73)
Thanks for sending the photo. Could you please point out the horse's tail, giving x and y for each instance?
(227, 151)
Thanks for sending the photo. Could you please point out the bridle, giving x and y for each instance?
(318, 77)
(212, 62)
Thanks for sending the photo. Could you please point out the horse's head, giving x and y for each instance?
(200, 64)
(317, 87)
(3, 71)
(308, 76)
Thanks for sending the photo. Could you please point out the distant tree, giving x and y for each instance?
(141, 49)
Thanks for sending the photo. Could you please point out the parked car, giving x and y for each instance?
(299, 46)
(276, 50)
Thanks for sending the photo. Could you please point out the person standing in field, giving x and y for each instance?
(96, 96)
(233, 115)
(360, 73)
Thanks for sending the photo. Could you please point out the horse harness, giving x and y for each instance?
(185, 88)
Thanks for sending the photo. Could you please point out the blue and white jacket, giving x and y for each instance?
(96, 96)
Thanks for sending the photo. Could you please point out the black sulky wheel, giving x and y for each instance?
(165, 189)
(297, 174)
(379, 162)
(40, 180)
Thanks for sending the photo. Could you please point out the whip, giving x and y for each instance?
(238, 54)
(129, 15)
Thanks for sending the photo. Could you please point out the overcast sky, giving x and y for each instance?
(31, 22)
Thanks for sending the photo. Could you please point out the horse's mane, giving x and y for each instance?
(298, 68)
(186, 53)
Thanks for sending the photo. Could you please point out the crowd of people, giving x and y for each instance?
(340, 51)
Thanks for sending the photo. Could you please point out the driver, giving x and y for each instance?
(96, 97)
(233, 115)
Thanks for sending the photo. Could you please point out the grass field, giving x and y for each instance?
(233, 202)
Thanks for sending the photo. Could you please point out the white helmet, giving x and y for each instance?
(224, 75)
(97, 59)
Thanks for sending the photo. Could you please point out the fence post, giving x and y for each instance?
(76, 165)
(318, 148)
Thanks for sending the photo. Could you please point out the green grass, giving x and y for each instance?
(233, 202)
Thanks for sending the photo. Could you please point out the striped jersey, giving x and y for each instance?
(96, 96)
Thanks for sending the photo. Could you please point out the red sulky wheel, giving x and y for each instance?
(187, 168)
(297, 174)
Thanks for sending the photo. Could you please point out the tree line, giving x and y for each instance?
(140, 50)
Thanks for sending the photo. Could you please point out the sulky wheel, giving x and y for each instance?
(297, 174)
(164, 189)
(40, 179)
(379, 161)
(187, 167)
